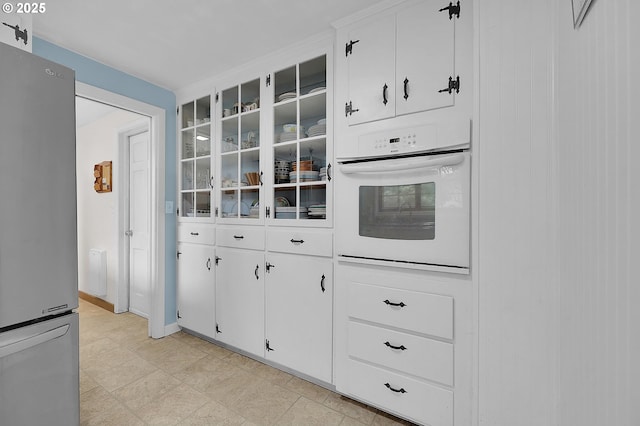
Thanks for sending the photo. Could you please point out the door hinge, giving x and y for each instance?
(348, 109)
(269, 348)
(216, 214)
(218, 259)
(268, 211)
(218, 329)
(178, 211)
(217, 96)
(349, 47)
(453, 10)
(453, 85)
(178, 314)
(268, 80)
(177, 110)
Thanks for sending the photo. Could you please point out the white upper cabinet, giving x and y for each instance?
(371, 63)
(274, 135)
(195, 160)
(424, 58)
(301, 150)
(402, 63)
(239, 137)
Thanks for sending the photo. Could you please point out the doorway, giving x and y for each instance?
(152, 121)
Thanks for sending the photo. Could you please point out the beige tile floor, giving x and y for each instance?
(127, 378)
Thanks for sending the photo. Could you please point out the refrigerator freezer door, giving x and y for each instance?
(38, 247)
(39, 374)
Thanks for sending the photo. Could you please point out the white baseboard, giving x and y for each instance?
(171, 328)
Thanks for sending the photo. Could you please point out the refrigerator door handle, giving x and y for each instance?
(31, 341)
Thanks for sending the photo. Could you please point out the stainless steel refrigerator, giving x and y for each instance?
(39, 376)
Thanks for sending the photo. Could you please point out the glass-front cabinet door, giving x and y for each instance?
(196, 177)
(241, 177)
(301, 158)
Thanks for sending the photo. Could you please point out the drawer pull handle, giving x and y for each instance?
(195, 234)
(296, 241)
(400, 348)
(238, 237)
(401, 304)
(256, 272)
(322, 283)
(401, 390)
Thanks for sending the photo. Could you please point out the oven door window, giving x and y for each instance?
(398, 212)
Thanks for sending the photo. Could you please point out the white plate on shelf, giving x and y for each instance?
(317, 89)
(285, 96)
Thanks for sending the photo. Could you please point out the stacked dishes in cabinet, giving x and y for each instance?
(319, 129)
(281, 170)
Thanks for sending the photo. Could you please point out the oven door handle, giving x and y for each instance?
(402, 164)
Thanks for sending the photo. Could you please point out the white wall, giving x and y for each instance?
(97, 212)
(516, 243)
(598, 212)
(559, 200)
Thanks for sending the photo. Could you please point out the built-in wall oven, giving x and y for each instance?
(405, 203)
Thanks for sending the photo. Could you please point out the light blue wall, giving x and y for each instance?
(96, 74)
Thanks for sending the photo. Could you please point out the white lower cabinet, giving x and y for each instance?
(240, 299)
(299, 308)
(403, 342)
(196, 288)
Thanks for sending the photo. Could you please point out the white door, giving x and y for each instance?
(139, 266)
(240, 299)
(425, 58)
(299, 297)
(195, 288)
(371, 63)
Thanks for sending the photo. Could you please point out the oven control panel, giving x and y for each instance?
(398, 141)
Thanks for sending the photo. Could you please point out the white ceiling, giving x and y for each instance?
(173, 43)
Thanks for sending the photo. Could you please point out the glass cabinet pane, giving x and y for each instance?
(203, 204)
(313, 76)
(187, 175)
(195, 159)
(300, 141)
(203, 173)
(286, 84)
(229, 203)
(240, 169)
(203, 111)
(188, 115)
(187, 144)
(203, 141)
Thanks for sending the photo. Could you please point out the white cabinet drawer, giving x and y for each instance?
(422, 402)
(239, 237)
(420, 312)
(196, 233)
(419, 356)
(318, 243)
